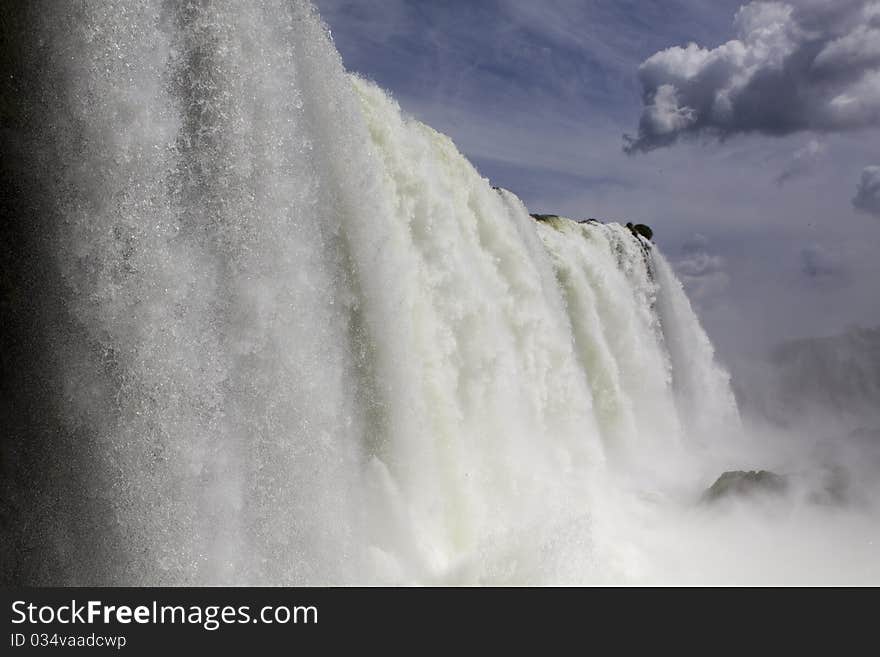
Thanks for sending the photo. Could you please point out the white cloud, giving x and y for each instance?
(811, 65)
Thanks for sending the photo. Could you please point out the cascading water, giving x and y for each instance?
(303, 341)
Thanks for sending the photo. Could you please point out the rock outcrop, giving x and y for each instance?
(743, 483)
(641, 230)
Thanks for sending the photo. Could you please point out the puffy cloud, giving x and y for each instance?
(813, 65)
(867, 198)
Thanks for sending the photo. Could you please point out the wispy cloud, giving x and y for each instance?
(702, 271)
(802, 161)
(867, 198)
(818, 262)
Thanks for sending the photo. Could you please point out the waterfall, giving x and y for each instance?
(297, 338)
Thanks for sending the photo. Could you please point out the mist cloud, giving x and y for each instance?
(811, 65)
(867, 198)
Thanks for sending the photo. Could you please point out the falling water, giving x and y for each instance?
(297, 338)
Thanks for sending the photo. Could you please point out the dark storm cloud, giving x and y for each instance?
(867, 198)
(806, 65)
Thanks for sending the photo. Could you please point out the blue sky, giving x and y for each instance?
(755, 208)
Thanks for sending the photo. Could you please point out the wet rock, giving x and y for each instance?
(641, 230)
(645, 231)
(742, 482)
